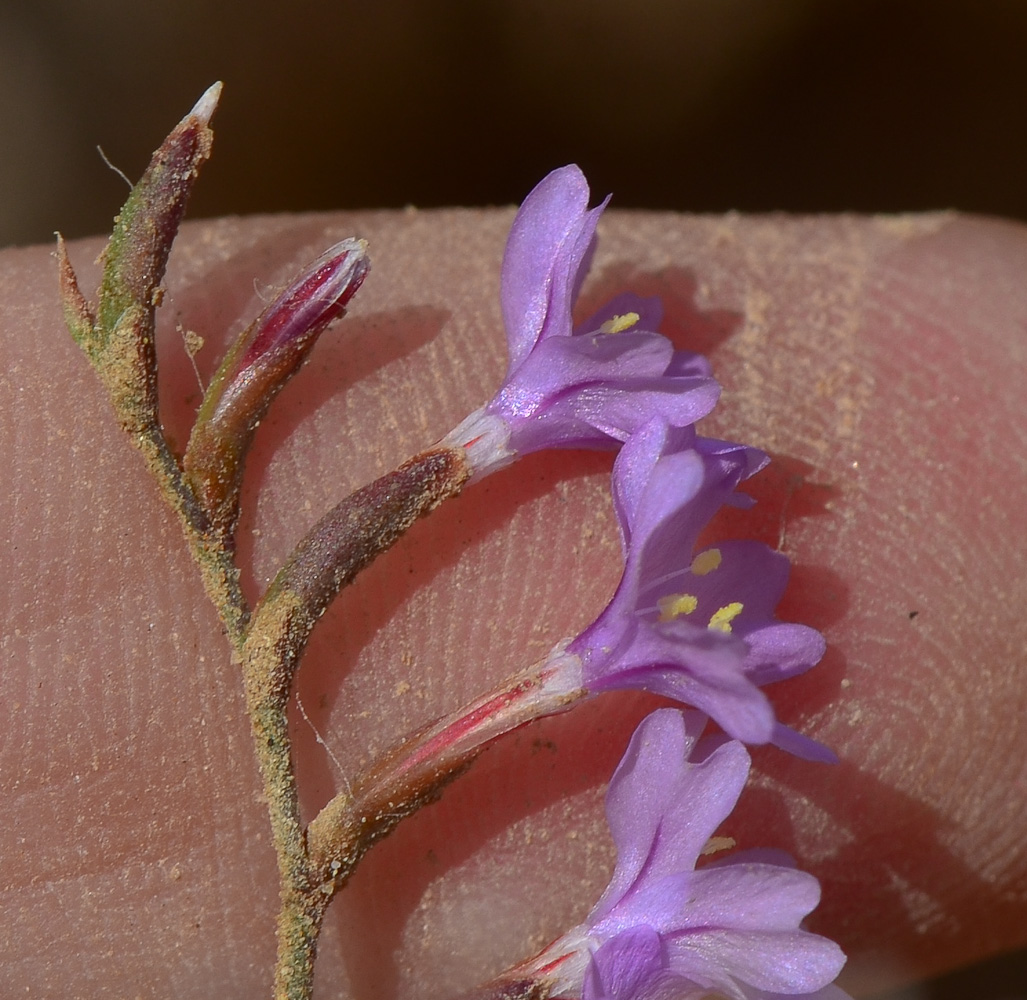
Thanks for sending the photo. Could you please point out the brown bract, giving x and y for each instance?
(880, 361)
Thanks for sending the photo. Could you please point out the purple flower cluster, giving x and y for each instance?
(698, 627)
(695, 625)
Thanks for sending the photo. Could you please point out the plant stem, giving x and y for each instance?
(299, 927)
(218, 571)
(333, 552)
(416, 770)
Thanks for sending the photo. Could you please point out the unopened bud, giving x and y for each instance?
(118, 335)
(258, 365)
(308, 305)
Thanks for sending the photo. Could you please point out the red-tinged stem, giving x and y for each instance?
(345, 540)
(549, 973)
(415, 771)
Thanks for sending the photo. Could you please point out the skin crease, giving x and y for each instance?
(879, 361)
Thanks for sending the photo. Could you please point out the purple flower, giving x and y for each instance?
(585, 387)
(664, 929)
(698, 628)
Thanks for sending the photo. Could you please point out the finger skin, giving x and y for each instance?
(880, 362)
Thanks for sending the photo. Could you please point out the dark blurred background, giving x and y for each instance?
(693, 105)
(707, 105)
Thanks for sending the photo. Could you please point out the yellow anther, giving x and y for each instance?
(674, 605)
(618, 324)
(723, 617)
(706, 562)
(715, 844)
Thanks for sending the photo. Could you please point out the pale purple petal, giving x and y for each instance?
(656, 904)
(689, 363)
(731, 925)
(543, 241)
(596, 391)
(569, 274)
(792, 962)
(661, 809)
(787, 739)
(649, 313)
(754, 856)
(623, 968)
(746, 895)
(559, 365)
(781, 650)
(695, 665)
(655, 443)
(749, 460)
(684, 803)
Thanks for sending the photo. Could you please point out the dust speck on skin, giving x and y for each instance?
(757, 304)
(193, 342)
(173, 873)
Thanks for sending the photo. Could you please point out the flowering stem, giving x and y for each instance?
(329, 557)
(415, 771)
(218, 571)
(117, 335)
(299, 926)
(342, 543)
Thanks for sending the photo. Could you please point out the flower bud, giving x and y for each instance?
(118, 335)
(258, 365)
